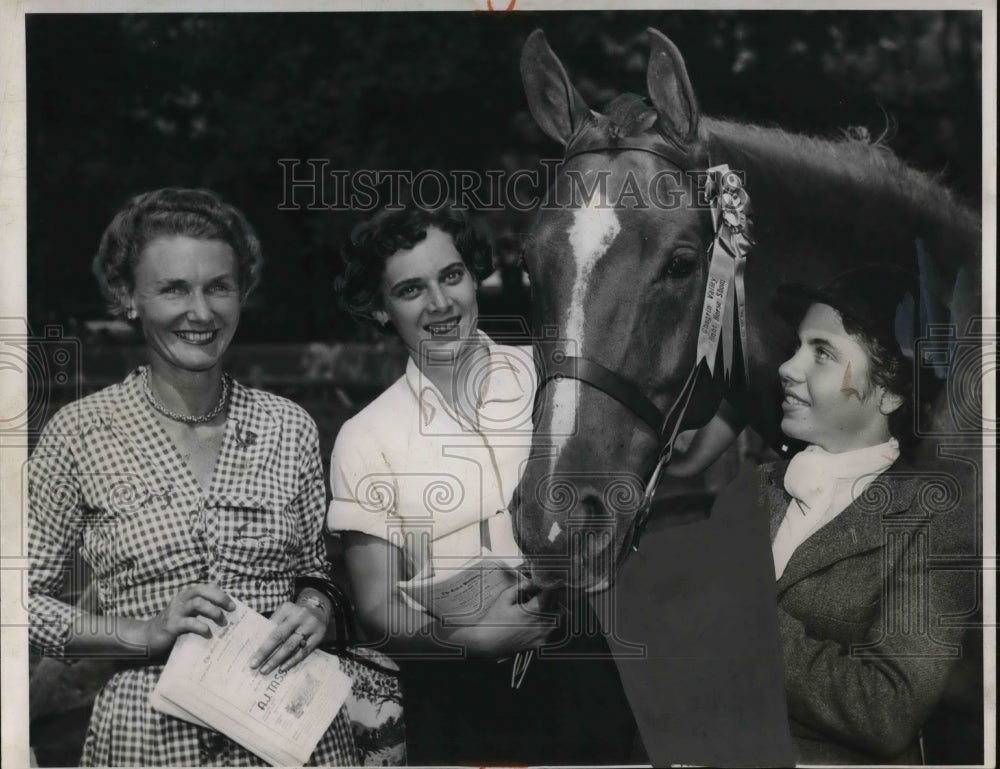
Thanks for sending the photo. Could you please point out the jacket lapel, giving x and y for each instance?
(858, 529)
(777, 497)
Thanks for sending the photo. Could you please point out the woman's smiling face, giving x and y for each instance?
(430, 296)
(187, 298)
(829, 398)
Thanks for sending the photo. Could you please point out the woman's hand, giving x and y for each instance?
(186, 613)
(695, 450)
(299, 628)
(507, 626)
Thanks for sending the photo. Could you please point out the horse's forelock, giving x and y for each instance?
(627, 116)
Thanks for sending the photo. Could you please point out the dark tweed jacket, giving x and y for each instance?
(867, 614)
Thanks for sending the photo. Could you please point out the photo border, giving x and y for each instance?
(13, 248)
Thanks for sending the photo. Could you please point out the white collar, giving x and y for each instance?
(500, 381)
(815, 473)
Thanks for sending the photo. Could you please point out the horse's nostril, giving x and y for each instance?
(592, 506)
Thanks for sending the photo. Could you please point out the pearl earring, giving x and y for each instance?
(131, 313)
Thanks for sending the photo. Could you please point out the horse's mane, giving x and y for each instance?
(848, 166)
(817, 184)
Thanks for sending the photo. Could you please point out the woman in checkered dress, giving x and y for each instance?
(185, 490)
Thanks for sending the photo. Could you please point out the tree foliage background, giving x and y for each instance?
(119, 104)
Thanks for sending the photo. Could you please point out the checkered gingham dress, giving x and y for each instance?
(106, 477)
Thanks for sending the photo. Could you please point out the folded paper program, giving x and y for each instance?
(280, 717)
(461, 592)
(455, 587)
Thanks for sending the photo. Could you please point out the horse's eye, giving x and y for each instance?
(679, 265)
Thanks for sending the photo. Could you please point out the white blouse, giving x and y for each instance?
(411, 470)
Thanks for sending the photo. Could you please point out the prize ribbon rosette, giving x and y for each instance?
(725, 293)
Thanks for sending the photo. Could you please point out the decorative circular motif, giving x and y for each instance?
(557, 496)
(61, 493)
(939, 493)
(970, 365)
(475, 374)
(379, 494)
(876, 497)
(622, 497)
(28, 358)
(444, 494)
(127, 495)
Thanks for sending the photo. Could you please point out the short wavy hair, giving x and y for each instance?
(359, 289)
(172, 211)
(891, 369)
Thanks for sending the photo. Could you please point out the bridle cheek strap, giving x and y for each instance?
(672, 423)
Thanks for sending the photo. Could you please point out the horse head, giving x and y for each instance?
(638, 262)
(618, 269)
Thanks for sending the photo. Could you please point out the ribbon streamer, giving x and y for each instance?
(720, 274)
(727, 267)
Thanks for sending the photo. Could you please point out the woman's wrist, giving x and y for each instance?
(319, 586)
(314, 599)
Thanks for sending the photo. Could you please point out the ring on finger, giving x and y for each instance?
(302, 639)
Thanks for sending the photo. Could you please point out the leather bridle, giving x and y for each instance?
(665, 426)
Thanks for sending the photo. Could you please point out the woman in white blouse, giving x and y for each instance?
(421, 481)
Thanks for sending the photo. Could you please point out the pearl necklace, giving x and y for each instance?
(188, 420)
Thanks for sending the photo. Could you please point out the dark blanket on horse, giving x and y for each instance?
(710, 688)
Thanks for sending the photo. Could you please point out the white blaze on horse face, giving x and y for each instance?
(594, 229)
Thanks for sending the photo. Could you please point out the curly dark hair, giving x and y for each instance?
(359, 289)
(892, 370)
(878, 306)
(171, 211)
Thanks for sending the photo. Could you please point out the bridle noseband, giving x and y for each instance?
(665, 426)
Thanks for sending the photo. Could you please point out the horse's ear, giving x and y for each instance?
(555, 104)
(670, 89)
